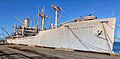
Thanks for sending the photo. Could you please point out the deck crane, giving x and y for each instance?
(43, 17)
(56, 14)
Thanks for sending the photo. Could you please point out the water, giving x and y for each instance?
(116, 47)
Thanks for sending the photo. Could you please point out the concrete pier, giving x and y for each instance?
(32, 52)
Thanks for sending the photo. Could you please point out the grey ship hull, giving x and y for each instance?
(94, 35)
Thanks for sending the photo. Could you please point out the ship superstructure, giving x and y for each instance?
(24, 30)
(87, 34)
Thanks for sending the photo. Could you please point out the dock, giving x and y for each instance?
(32, 52)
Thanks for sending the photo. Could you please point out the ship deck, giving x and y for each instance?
(32, 52)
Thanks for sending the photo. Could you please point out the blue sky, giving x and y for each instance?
(72, 9)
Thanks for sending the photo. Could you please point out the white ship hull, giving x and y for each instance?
(80, 35)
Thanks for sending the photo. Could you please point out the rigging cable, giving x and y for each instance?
(110, 26)
(61, 14)
(86, 43)
(106, 38)
(78, 38)
(107, 33)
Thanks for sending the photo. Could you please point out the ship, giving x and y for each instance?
(86, 33)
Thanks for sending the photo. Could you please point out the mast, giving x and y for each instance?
(43, 18)
(56, 14)
(38, 19)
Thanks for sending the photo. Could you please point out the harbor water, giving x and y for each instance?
(116, 47)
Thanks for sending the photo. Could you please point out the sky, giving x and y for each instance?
(9, 9)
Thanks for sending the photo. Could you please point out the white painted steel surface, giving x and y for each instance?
(80, 35)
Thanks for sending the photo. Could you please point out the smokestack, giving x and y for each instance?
(26, 23)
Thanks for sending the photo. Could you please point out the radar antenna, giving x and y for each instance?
(92, 13)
